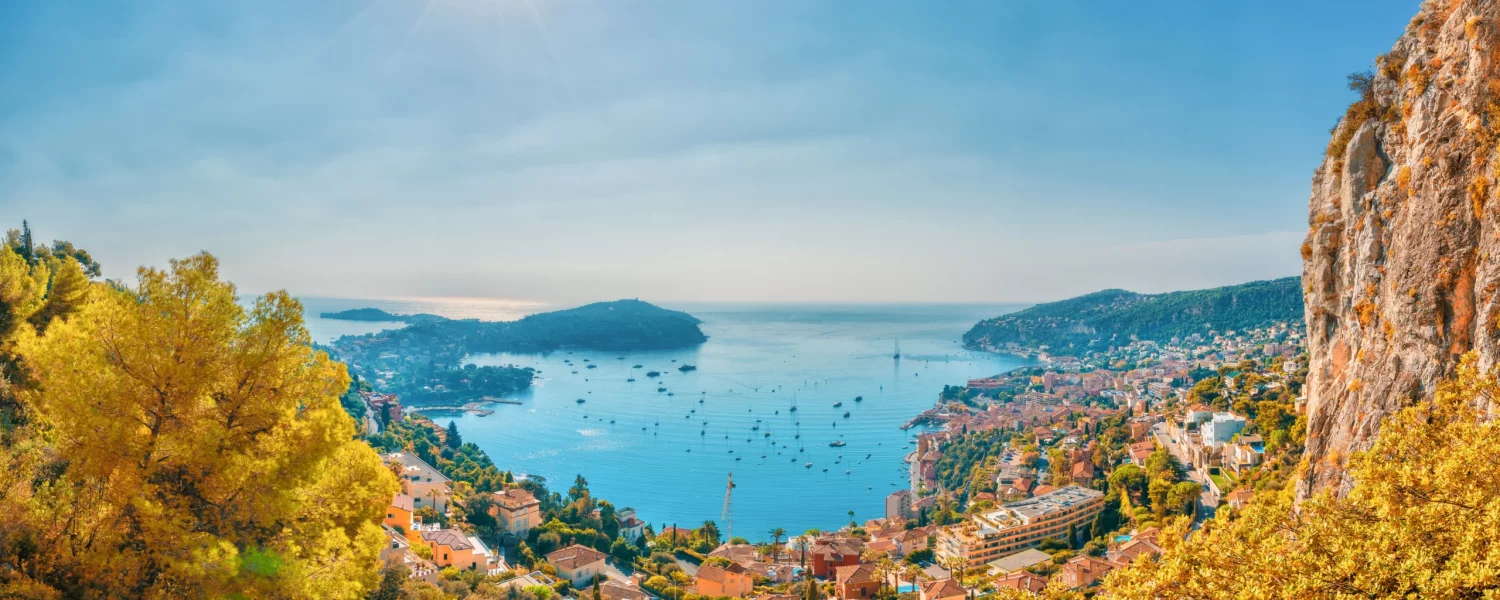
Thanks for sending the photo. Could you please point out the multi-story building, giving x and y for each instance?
(427, 487)
(1019, 525)
(631, 527)
(898, 505)
(1221, 428)
(517, 510)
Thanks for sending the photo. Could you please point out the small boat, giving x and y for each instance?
(592, 367)
(846, 414)
(661, 389)
(580, 401)
(837, 404)
(808, 465)
(859, 398)
(837, 444)
(635, 366)
(792, 409)
(631, 380)
(653, 373)
(686, 367)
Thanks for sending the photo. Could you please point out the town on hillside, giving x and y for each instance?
(1053, 474)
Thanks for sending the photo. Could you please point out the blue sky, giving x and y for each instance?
(578, 150)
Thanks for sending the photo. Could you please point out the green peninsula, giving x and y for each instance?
(422, 362)
(1094, 322)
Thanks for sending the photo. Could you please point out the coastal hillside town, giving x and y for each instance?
(1048, 477)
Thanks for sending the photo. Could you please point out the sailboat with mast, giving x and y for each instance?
(897, 355)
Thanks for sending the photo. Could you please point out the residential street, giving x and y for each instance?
(1210, 500)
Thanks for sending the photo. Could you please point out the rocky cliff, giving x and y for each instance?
(1400, 268)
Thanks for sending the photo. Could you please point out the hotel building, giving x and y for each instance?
(1019, 525)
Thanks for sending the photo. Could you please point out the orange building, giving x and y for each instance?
(828, 554)
(451, 548)
(400, 513)
(856, 582)
(731, 581)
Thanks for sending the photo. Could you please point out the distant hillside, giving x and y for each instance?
(1109, 318)
(618, 325)
(375, 314)
(422, 361)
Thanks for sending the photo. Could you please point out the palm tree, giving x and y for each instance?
(776, 535)
(886, 568)
(851, 518)
(914, 574)
(955, 565)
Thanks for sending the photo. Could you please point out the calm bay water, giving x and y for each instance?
(669, 453)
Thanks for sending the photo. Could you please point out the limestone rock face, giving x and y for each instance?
(1400, 269)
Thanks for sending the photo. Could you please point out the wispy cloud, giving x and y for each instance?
(762, 151)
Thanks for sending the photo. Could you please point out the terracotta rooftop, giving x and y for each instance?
(515, 498)
(855, 574)
(574, 556)
(718, 574)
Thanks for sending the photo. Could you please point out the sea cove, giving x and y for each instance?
(668, 453)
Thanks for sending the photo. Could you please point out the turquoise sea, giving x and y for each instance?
(669, 453)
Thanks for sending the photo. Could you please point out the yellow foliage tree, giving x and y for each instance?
(1420, 522)
(181, 445)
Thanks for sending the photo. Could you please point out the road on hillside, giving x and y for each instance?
(1209, 501)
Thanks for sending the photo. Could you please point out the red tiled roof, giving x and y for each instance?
(855, 574)
(1024, 581)
(515, 498)
(574, 556)
(718, 574)
(942, 588)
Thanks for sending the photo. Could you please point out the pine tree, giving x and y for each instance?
(454, 440)
(28, 247)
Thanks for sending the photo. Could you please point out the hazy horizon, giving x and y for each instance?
(576, 151)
